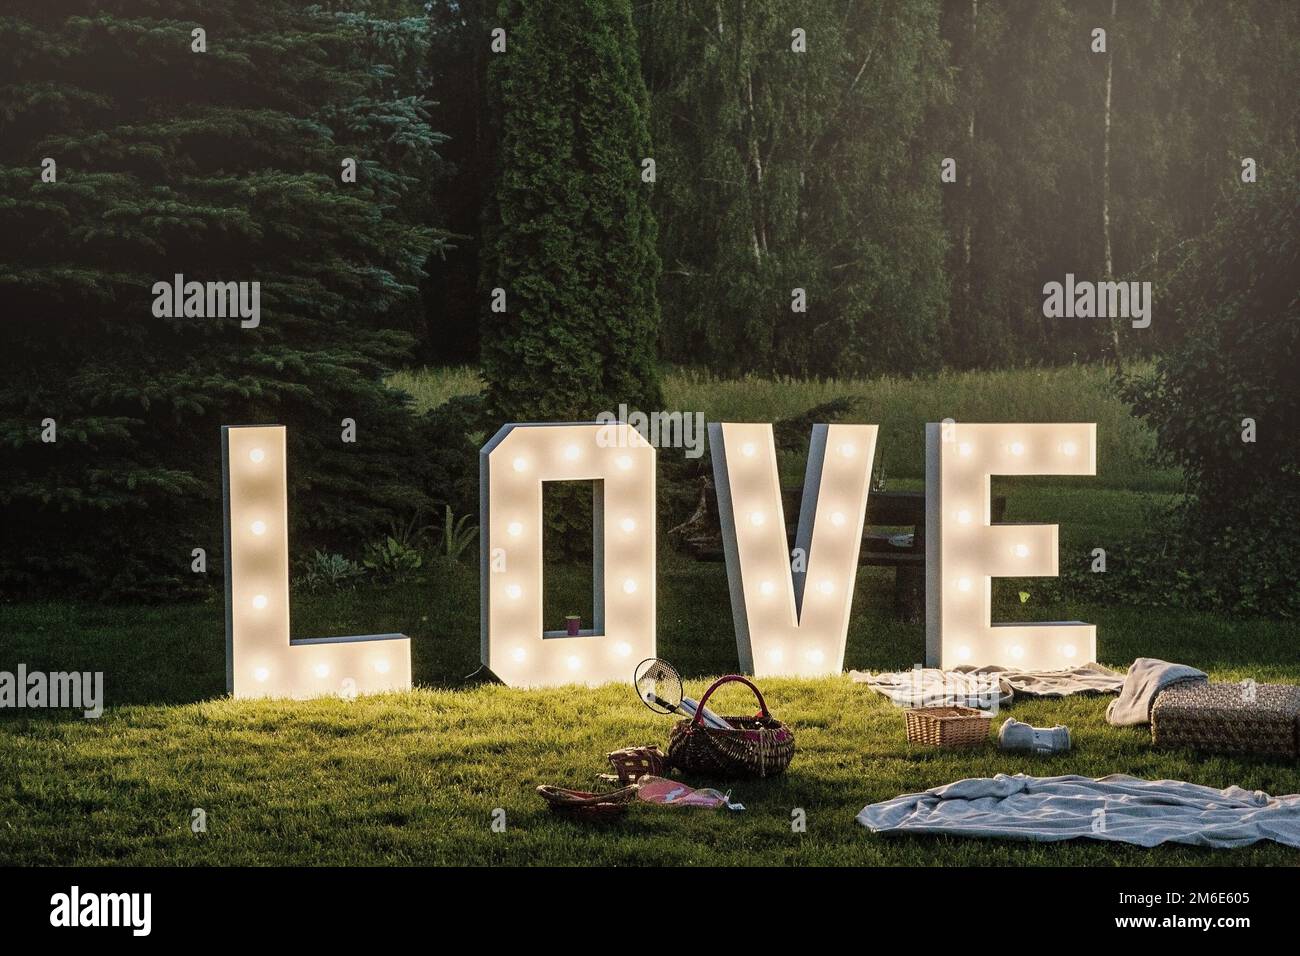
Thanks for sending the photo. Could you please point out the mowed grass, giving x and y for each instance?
(416, 778)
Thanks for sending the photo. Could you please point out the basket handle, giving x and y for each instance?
(699, 713)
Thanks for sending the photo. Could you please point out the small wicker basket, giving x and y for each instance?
(584, 805)
(948, 726)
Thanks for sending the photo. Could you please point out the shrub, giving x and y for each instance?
(1235, 298)
(391, 561)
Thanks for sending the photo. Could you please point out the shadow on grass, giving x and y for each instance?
(175, 654)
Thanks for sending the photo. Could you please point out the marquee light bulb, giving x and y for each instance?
(964, 516)
(322, 670)
(256, 455)
(1022, 550)
(825, 587)
(261, 675)
(767, 588)
(756, 518)
(623, 649)
(966, 449)
(382, 665)
(776, 655)
(816, 657)
(520, 464)
(624, 462)
(963, 584)
(964, 652)
(258, 527)
(628, 525)
(629, 586)
(571, 452)
(518, 654)
(514, 529)
(514, 591)
(838, 519)
(1069, 449)
(749, 449)
(848, 449)
(1017, 448)
(1017, 651)
(1069, 650)
(260, 601)
(574, 663)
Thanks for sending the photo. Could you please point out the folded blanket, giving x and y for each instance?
(1118, 808)
(1147, 676)
(987, 686)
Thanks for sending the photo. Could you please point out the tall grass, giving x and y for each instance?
(901, 407)
(430, 387)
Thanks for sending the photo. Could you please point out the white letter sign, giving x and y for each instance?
(512, 466)
(964, 551)
(792, 620)
(261, 660)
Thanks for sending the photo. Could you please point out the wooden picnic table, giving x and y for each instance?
(885, 509)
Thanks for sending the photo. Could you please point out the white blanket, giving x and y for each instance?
(1118, 808)
(1146, 678)
(985, 687)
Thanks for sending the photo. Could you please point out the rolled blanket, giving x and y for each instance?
(1146, 678)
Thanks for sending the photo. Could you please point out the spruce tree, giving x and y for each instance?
(570, 235)
(221, 161)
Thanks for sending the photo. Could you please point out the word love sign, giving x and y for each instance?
(791, 617)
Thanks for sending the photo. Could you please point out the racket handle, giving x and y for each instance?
(709, 717)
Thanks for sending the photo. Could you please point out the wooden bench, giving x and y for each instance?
(701, 537)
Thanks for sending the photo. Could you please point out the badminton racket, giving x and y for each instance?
(660, 688)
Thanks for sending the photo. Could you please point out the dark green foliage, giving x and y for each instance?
(451, 435)
(222, 166)
(570, 236)
(781, 170)
(390, 560)
(1237, 300)
(327, 572)
(458, 61)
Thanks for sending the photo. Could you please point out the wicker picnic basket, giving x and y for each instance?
(1228, 718)
(759, 746)
(948, 726)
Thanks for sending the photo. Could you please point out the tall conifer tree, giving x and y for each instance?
(570, 235)
(219, 156)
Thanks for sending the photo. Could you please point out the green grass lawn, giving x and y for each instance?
(415, 778)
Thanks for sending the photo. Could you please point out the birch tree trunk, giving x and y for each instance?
(969, 160)
(1109, 265)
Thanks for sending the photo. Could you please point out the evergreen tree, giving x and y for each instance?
(221, 164)
(570, 236)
